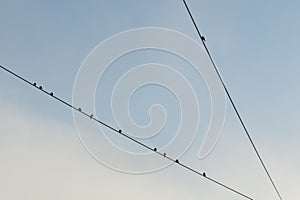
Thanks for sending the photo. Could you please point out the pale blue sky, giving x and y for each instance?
(254, 43)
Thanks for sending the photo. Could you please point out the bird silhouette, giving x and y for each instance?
(120, 131)
(155, 149)
(204, 174)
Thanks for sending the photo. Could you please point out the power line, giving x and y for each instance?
(231, 100)
(120, 132)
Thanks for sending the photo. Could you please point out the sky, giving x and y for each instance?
(255, 46)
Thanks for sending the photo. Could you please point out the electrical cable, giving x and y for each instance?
(119, 131)
(202, 38)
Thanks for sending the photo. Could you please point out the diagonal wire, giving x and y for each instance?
(231, 100)
(119, 131)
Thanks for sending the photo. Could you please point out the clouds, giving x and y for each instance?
(43, 159)
(255, 45)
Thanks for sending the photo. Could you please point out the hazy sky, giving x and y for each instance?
(255, 45)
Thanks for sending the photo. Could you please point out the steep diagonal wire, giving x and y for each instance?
(119, 131)
(202, 38)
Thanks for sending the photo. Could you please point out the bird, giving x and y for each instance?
(91, 116)
(155, 149)
(204, 174)
(40, 87)
(177, 161)
(34, 84)
(51, 93)
(79, 109)
(203, 38)
(165, 154)
(120, 131)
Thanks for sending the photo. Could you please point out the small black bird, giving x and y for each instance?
(165, 154)
(79, 109)
(120, 131)
(155, 149)
(177, 161)
(51, 93)
(91, 116)
(203, 38)
(34, 84)
(40, 87)
(204, 174)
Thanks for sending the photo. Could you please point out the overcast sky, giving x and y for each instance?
(255, 45)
